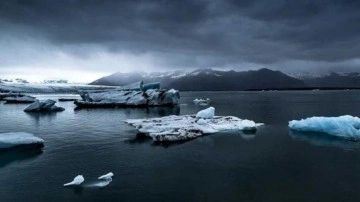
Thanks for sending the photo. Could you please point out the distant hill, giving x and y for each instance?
(335, 80)
(208, 80)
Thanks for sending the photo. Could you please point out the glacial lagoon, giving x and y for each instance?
(272, 164)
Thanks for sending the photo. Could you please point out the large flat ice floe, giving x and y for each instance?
(180, 128)
(17, 139)
(125, 98)
(343, 126)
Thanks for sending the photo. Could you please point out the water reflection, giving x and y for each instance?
(9, 156)
(324, 140)
(37, 117)
(150, 111)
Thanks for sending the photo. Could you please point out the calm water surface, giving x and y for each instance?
(271, 165)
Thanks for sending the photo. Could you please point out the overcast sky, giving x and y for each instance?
(84, 40)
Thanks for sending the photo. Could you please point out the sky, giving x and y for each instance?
(82, 40)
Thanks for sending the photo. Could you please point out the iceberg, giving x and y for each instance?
(347, 126)
(19, 99)
(19, 139)
(43, 106)
(208, 113)
(187, 127)
(125, 98)
(77, 181)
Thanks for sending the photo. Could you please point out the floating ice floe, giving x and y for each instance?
(43, 106)
(101, 182)
(106, 177)
(19, 99)
(180, 128)
(77, 181)
(202, 101)
(344, 126)
(125, 98)
(20, 139)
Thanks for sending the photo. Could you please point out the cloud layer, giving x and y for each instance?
(99, 37)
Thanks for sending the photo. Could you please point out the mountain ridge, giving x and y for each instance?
(208, 79)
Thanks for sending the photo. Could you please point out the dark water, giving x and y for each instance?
(272, 165)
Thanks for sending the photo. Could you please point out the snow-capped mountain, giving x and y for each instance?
(207, 79)
(335, 80)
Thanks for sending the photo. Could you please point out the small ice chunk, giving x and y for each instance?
(77, 181)
(208, 113)
(107, 176)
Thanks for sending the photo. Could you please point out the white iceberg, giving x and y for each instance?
(180, 128)
(16, 139)
(77, 181)
(344, 126)
(43, 106)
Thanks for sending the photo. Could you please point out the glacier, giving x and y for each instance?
(180, 128)
(19, 99)
(43, 106)
(17, 139)
(347, 126)
(49, 88)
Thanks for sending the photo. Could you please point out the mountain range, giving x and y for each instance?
(215, 80)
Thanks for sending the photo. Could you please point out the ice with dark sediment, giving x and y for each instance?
(186, 127)
(19, 139)
(43, 106)
(129, 98)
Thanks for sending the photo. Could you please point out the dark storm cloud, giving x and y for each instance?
(280, 33)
